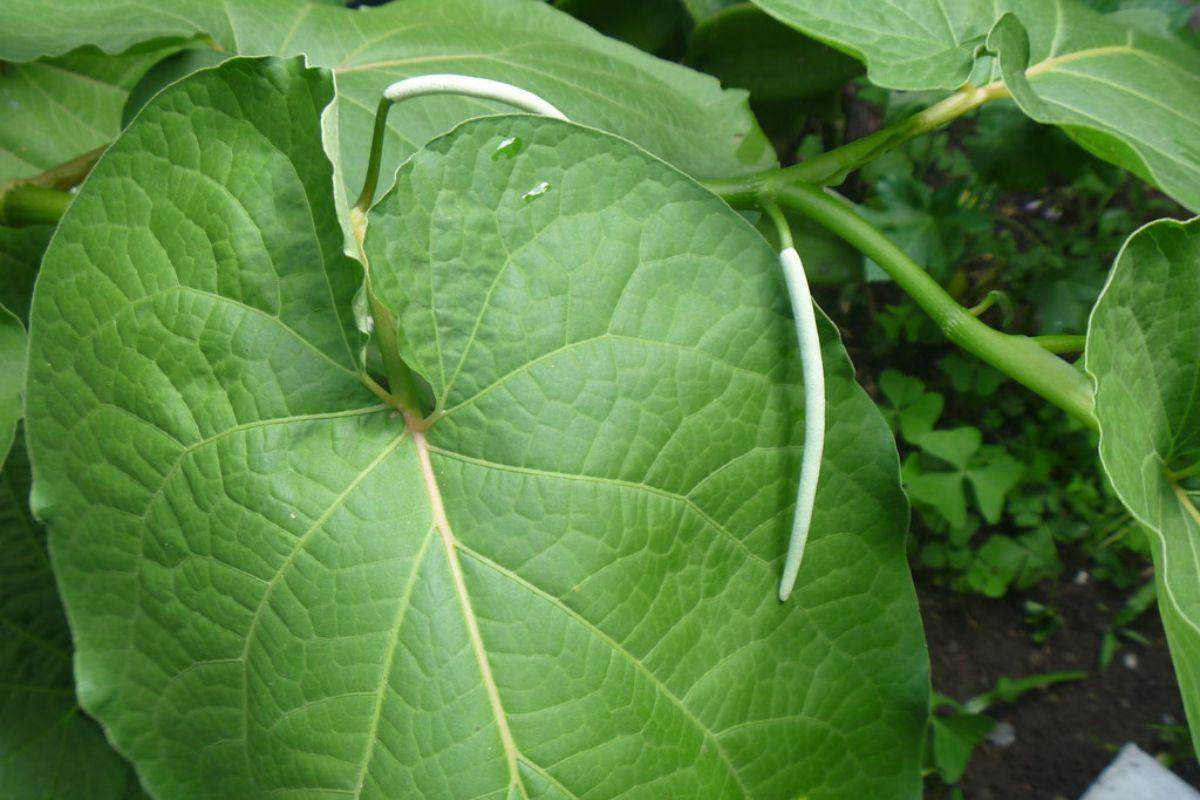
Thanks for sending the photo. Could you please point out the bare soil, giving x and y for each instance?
(1065, 734)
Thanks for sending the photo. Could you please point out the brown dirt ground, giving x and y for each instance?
(1065, 734)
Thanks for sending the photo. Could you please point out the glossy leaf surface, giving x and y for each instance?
(562, 587)
(1142, 349)
(1128, 96)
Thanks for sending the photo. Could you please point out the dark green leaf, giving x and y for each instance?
(993, 478)
(750, 50)
(13, 343)
(954, 740)
(48, 748)
(21, 252)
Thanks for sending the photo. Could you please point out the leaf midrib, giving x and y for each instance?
(451, 545)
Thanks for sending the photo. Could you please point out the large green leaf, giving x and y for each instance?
(1128, 96)
(564, 586)
(679, 115)
(48, 748)
(1142, 348)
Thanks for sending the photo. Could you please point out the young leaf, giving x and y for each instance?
(48, 748)
(1141, 349)
(1128, 96)
(677, 114)
(955, 738)
(564, 585)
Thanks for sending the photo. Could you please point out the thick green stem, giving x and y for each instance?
(1019, 357)
(42, 199)
(1061, 343)
(32, 205)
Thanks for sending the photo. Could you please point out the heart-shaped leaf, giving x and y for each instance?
(562, 584)
(1142, 347)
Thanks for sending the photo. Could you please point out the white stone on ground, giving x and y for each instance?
(1134, 775)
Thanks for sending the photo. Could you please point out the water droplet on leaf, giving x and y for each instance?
(539, 189)
(508, 148)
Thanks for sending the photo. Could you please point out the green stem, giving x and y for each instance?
(1019, 357)
(376, 157)
(993, 297)
(1061, 343)
(32, 205)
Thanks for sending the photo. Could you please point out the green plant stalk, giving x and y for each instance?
(830, 169)
(32, 205)
(402, 383)
(1061, 343)
(1018, 357)
(376, 157)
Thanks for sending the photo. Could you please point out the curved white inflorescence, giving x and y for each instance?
(470, 86)
(814, 413)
